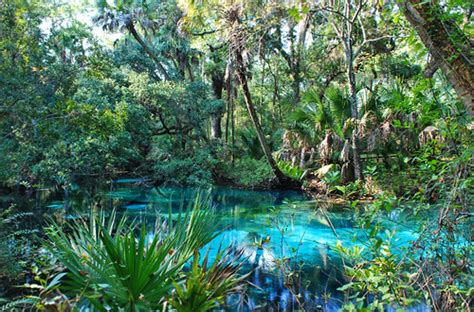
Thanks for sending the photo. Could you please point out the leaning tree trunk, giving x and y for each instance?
(237, 41)
(131, 28)
(282, 179)
(448, 45)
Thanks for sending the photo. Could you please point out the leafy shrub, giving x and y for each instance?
(183, 169)
(332, 178)
(248, 171)
(294, 172)
(13, 244)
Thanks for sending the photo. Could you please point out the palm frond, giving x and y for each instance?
(110, 265)
(339, 105)
(208, 283)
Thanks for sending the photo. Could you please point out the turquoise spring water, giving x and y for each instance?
(268, 225)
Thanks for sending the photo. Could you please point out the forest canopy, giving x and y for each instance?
(177, 89)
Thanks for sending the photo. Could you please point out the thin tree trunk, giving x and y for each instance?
(352, 85)
(354, 111)
(190, 72)
(216, 130)
(296, 84)
(276, 111)
(355, 153)
(274, 101)
(447, 44)
(297, 57)
(229, 90)
(227, 118)
(302, 157)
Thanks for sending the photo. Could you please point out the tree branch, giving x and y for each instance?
(356, 15)
(204, 33)
(151, 54)
(366, 41)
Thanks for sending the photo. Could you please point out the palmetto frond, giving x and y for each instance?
(208, 283)
(109, 265)
(313, 111)
(372, 103)
(339, 105)
(395, 95)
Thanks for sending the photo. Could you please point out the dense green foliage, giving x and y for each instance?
(163, 100)
(352, 99)
(438, 259)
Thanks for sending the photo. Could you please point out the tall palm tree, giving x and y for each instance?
(230, 18)
(237, 38)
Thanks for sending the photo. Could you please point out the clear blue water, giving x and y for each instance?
(290, 225)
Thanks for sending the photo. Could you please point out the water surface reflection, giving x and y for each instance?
(288, 240)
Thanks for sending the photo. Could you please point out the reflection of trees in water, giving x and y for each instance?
(273, 292)
(274, 289)
(293, 285)
(282, 285)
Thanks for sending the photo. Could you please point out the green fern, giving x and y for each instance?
(292, 171)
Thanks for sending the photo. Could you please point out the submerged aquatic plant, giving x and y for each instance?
(109, 266)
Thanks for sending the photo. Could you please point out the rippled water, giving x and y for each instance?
(268, 225)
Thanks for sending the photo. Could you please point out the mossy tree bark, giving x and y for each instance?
(448, 45)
